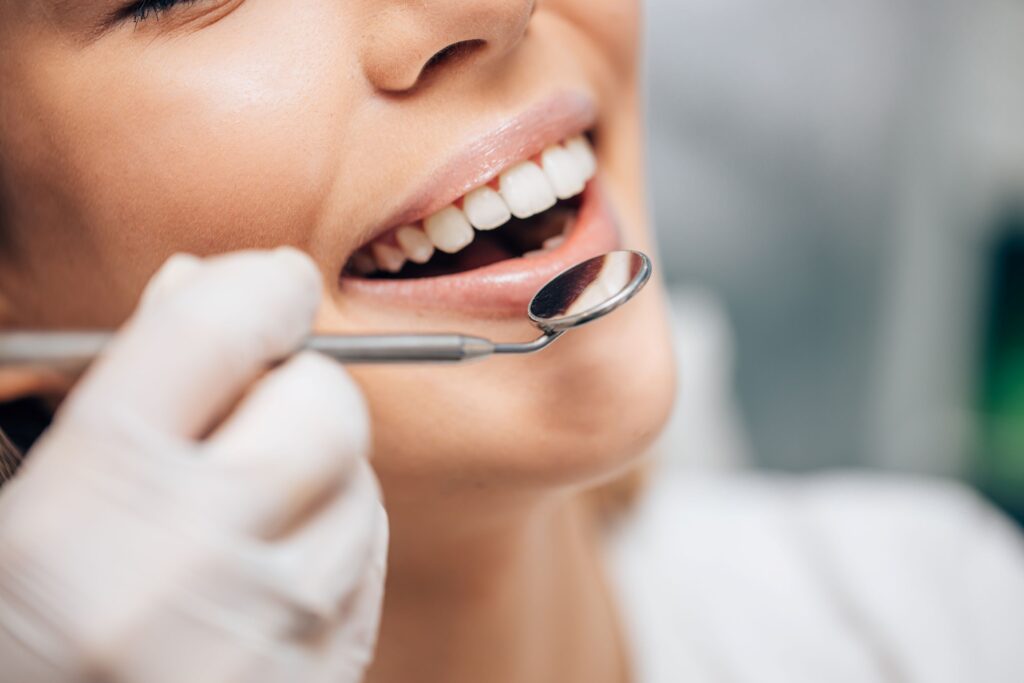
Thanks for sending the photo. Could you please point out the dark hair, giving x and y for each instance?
(10, 458)
(22, 422)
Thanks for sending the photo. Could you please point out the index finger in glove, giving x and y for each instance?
(186, 354)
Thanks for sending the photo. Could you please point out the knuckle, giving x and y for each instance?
(199, 333)
(337, 408)
(246, 303)
(285, 280)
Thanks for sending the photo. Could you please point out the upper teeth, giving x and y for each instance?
(416, 245)
(524, 190)
(527, 190)
(485, 208)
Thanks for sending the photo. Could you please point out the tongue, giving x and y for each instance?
(484, 251)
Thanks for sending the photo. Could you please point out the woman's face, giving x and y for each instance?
(131, 132)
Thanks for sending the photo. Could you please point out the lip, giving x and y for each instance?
(485, 157)
(503, 289)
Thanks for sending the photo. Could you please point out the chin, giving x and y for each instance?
(575, 414)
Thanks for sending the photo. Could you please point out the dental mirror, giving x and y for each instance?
(583, 293)
(589, 290)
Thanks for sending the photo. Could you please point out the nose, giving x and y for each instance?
(405, 40)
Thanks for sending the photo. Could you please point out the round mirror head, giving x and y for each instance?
(590, 290)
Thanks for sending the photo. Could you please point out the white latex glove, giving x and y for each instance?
(155, 534)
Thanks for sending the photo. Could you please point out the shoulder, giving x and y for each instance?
(873, 576)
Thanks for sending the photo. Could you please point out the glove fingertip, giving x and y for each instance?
(303, 266)
(179, 268)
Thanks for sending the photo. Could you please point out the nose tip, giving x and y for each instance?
(411, 40)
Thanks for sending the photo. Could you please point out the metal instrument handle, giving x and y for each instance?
(74, 351)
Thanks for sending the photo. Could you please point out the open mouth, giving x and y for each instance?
(532, 205)
(528, 211)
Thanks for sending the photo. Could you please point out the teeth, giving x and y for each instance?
(580, 148)
(485, 209)
(565, 171)
(415, 243)
(449, 230)
(554, 242)
(388, 257)
(526, 190)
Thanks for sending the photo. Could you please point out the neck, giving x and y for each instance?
(523, 600)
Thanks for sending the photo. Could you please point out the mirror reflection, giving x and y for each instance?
(590, 290)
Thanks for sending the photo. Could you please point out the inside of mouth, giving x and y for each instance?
(515, 239)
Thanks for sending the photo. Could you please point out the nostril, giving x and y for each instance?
(452, 53)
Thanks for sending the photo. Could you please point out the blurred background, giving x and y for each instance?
(839, 194)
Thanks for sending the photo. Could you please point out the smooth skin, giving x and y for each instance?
(230, 124)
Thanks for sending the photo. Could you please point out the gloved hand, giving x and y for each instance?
(170, 528)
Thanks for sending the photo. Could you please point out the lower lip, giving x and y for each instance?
(505, 288)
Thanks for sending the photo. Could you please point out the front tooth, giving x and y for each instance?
(389, 258)
(415, 243)
(449, 230)
(580, 148)
(527, 190)
(485, 209)
(566, 173)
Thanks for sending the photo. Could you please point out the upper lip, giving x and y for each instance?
(516, 139)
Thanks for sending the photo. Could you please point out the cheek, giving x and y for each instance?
(577, 412)
(210, 145)
(615, 26)
(215, 159)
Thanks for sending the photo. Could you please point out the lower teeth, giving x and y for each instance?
(518, 238)
(552, 243)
